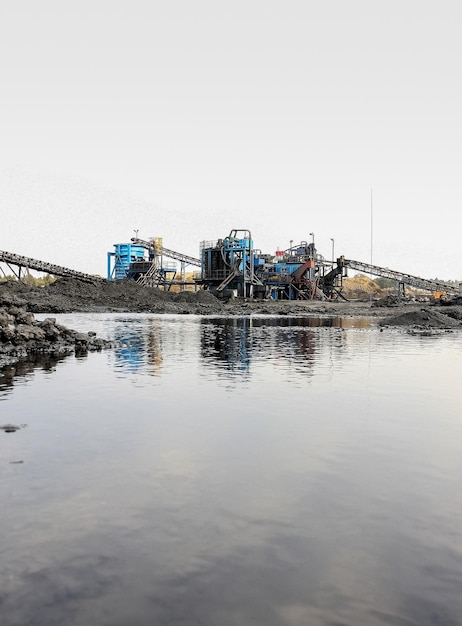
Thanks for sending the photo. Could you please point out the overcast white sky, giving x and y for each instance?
(187, 118)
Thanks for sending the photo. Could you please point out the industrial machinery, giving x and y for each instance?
(144, 262)
(231, 266)
(120, 261)
(228, 266)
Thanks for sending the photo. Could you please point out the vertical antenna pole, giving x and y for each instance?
(371, 224)
(371, 239)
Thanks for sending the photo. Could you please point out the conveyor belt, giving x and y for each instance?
(406, 279)
(42, 266)
(178, 256)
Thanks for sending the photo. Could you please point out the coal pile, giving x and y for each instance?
(68, 295)
(21, 335)
(426, 318)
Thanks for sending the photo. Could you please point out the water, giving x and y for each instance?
(247, 471)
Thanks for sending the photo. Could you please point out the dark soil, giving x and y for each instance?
(68, 295)
(21, 334)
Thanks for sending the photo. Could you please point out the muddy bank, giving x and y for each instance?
(68, 295)
(21, 334)
(22, 337)
(426, 318)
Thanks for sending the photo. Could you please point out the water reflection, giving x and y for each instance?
(236, 342)
(228, 341)
(277, 472)
(23, 370)
(141, 345)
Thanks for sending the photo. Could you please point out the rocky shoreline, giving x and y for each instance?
(21, 335)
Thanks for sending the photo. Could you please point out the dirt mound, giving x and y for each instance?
(424, 318)
(67, 295)
(103, 289)
(455, 312)
(387, 301)
(204, 297)
(360, 288)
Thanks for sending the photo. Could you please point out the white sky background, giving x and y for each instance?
(187, 118)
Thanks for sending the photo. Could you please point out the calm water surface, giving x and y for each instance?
(225, 472)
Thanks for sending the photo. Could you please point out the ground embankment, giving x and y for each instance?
(21, 334)
(68, 295)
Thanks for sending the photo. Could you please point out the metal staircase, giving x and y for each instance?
(151, 277)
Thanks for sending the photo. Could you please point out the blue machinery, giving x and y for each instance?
(298, 273)
(144, 262)
(229, 265)
(119, 261)
(233, 267)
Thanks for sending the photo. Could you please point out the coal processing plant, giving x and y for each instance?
(233, 267)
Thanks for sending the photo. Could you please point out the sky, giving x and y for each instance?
(185, 119)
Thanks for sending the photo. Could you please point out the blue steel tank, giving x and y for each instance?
(119, 260)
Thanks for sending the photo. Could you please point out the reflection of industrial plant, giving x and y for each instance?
(233, 342)
(141, 345)
(228, 341)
